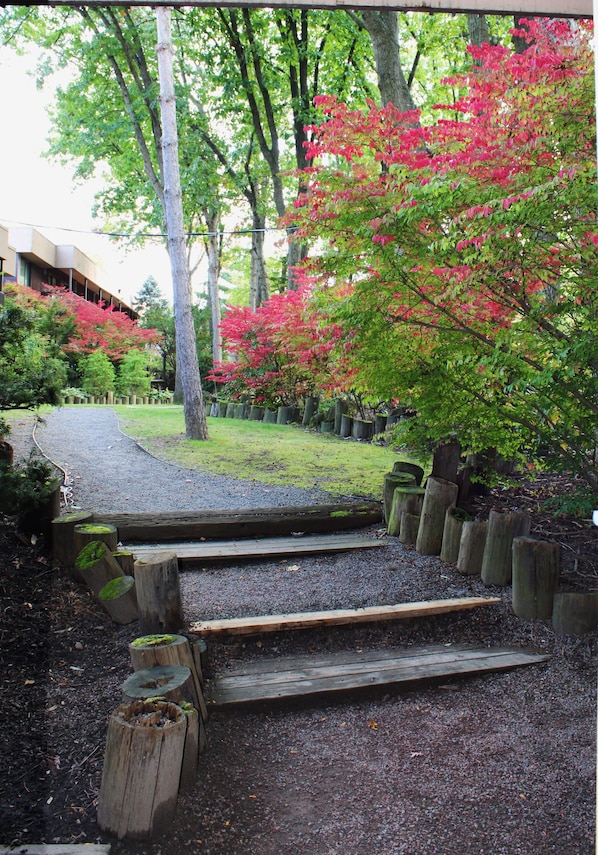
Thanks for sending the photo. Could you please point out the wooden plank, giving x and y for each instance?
(57, 849)
(530, 8)
(336, 617)
(286, 678)
(249, 522)
(215, 551)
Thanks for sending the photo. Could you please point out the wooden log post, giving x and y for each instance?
(63, 536)
(142, 769)
(362, 429)
(284, 415)
(191, 749)
(167, 649)
(311, 408)
(341, 407)
(497, 562)
(159, 593)
(96, 566)
(451, 535)
(410, 468)
(407, 500)
(199, 651)
(119, 599)
(346, 426)
(440, 495)
(256, 413)
(535, 577)
(85, 533)
(575, 612)
(392, 480)
(173, 683)
(471, 547)
(126, 561)
(409, 528)
(446, 460)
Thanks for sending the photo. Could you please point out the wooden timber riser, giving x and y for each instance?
(285, 679)
(169, 526)
(197, 554)
(336, 617)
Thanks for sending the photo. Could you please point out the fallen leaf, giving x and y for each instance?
(30, 682)
(373, 724)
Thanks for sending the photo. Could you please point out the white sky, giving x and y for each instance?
(39, 192)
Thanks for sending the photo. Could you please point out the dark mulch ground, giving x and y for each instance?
(63, 662)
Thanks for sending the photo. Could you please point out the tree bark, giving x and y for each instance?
(497, 562)
(471, 547)
(193, 404)
(535, 577)
(158, 594)
(119, 599)
(142, 770)
(440, 494)
(213, 251)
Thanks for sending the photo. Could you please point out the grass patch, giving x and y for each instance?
(271, 454)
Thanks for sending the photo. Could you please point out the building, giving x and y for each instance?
(29, 258)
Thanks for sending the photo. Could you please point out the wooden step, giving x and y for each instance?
(284, 678)
(335, 617)
(213, 551)
(235, 524)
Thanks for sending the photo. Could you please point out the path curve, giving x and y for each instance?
(109, 472)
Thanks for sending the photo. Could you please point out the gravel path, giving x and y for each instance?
(108, 471)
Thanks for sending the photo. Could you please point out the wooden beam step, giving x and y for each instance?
(284, 678)
(249, 522)
(336, 617)
(214, 551)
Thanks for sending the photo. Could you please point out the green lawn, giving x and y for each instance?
(272, 454)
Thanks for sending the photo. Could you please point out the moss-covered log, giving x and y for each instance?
(119, 599)
(63, 536)
(440, 495)
(96, 566)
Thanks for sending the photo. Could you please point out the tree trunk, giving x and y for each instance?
(471, 547)
(63, 536)
(440, 495)
(119, 599)
(477, 26)
(451, 535)
(142, 770)
(575, 612)
(193, 404)
(213, 250)
(497, 562)
(405, 500)
(383, 27)
(259, 286)
(535, 577)
(158, 594)
(166, 649)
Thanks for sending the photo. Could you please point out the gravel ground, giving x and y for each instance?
(499, 764)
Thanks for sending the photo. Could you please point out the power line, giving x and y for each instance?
(142, 235)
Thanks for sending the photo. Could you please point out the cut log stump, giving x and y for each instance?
(392, 480)
(439, 496)
(411, 469)
(409, 528)
(85, 533)
(191, 750)
(451, 535)
(119, 599)
(167, 649)
(142, 769)
(408, 500)
(497, 563)
(173, 683)
(63, 536)
(96, 566)
(158, 593)
(535, 577)
(126, 561)
(575, 612)
(471, 547)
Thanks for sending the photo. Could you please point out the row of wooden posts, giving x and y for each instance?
(499, 550)
(333, 419)
(156, 735)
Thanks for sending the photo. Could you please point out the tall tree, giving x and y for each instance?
(193, 404)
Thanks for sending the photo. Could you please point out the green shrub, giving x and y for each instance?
(98, 374)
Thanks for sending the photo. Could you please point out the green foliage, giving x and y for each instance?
(99, 374)
(133, 378)
(26, 485)
(580, 503)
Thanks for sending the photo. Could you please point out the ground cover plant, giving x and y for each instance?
(272, 454)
